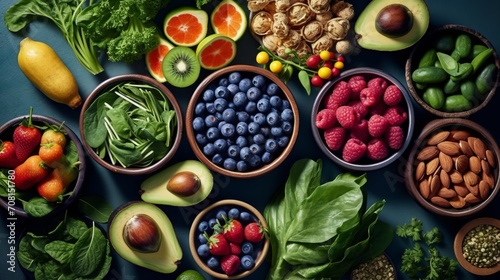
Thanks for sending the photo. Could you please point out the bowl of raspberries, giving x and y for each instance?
(242, 121)
(363, 120)
(228, 239)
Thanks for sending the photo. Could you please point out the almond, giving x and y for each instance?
(446, 193)
(461, 189)
(456, 177)
(432, 166)
(434, 184)
(484, 190)
(450, 148)
(488, 178)
(465, 148)
(438, 137)
(477, 145)
(471, 178)
(441, 202)
(472, 199)
(419, 171)
(457, 202)
(462, 163)
(485, 166)
(459, 135)
(473, 189)
(475, 164)
(444, 178)
(490, 156)
(427, 153)
(445, 161)
(423, 188)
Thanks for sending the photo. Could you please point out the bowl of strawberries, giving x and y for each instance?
(42, 166)
(363, 119)
(228, 239)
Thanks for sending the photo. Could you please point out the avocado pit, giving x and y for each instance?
(141, 234)
(394, 20)
(184, 183)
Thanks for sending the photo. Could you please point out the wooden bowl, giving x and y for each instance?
(261, 248)
(424, 44)
(441, 126)
(458, 246)
(211, 82)
(132, 170)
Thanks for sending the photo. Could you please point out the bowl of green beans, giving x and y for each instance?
(131, 124)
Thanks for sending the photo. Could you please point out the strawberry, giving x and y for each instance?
(26, 137)
(52, 154)
(54, 134)
(234, 248)
(8, 158)
(254, 232)
(233, 231)
(30, 172)
(218, 245)
(230, 264)
(51, 187)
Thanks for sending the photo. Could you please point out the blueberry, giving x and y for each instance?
(208, 95)
(255, 161)
(245, 153)
(287, 114)
(208, 149)
(233, 88)
(272, 89)
(202, 239)
(213, 133)
(203, 226)
(285, 105)
(256, 149)
(211, 121)
(198, 124)
(240, 99)
(241, 166)
(224, 82)
(245, 216)
(229, 115)
(220, 145)
(220, 104)
(259, 139)
(273, 119)
(210, 107)
(259, 81)
(244, 84)
(276, 101)
(212, 222)
(271, 145)
(243, 116)
(263, 105)
(203, 250)
(220, 125)
(234, 78)
(213, 263)
(201, 139)
(247, 262)
(259, 118)
(254, 94)
(267, 157)
(200, 109)
(227, 130)
(265, 131)
(233, 151)
(229, 164)
(251, 107)
(241, 141)
(217, 159)
(283, 141)
(233, 213)
(222, 92)
(286, 126)
(241, 128)
(253, 128)
(276, 131)
(221, 215)
(218, 116)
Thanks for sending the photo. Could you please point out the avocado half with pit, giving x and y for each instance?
(142, 234)
(182, 184)
(391, 25)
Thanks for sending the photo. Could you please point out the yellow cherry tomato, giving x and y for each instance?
(325, 73)
(325, 55)
(339, 65)
(262, 58)
(276, 66)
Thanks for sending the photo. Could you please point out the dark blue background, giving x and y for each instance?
(17, 94)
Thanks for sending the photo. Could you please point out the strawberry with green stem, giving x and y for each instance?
(30, 172)
(26, 138)
(8, 158)
(233, 231)
(254, 232)
(218, 244)
(54, 134)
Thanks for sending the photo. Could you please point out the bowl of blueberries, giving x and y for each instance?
(240, 232)
(242, 121)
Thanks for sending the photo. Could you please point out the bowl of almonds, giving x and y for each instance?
(452, 169)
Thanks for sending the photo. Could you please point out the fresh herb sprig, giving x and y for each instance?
(418, 263)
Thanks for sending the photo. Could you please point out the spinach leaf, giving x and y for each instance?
(59, 250)
(38, 206)
(120, 122)
(49, 270)
(88, 252)
(95, 207)
(74, 228)
(26, 254)
(93, 120)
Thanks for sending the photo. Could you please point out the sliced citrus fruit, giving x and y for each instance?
(186, 26)
(216, 51)
(229, 19)
(154, 59)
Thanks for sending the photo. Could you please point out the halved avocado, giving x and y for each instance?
(166, 255)
(369, 35)
(154, 189)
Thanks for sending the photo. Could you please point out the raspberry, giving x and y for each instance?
(392, 95)
(377, 149)
(377, 125)
(360, 131)
(326, 118)
(339, 96)
(354, 149)
(370, 96)
(347, 116)
(334, 137)
(361, 109)
(357, 83)
(394, 136)
(395, 115)
(378, 83)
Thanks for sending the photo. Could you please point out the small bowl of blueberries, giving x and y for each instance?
(242, 121)
(240, 232)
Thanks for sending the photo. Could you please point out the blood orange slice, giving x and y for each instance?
(186, 26)
(154, 59)
(229, 19)
(216, 51)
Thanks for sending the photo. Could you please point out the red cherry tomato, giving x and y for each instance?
(340, 58)
(332, 55)
(316, 81)
(335, 72)
(328, 64)
(313, 61)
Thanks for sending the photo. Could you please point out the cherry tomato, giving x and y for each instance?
(328, 64)
(325, 73)
(325, 55)
(340, 58)
(339, 65)
(332, 55)
(335, 72)
(313, 61)
(262, 58)
(276, 66)
(316, 81)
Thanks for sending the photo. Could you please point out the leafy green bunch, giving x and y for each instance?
(419, 263)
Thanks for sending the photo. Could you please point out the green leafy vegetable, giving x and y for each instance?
(88, 252)
(63, 13)
(200, 3)
(95, 207)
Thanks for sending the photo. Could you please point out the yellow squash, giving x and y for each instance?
(43, 67)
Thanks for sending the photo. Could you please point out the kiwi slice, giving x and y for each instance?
(180, 67)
